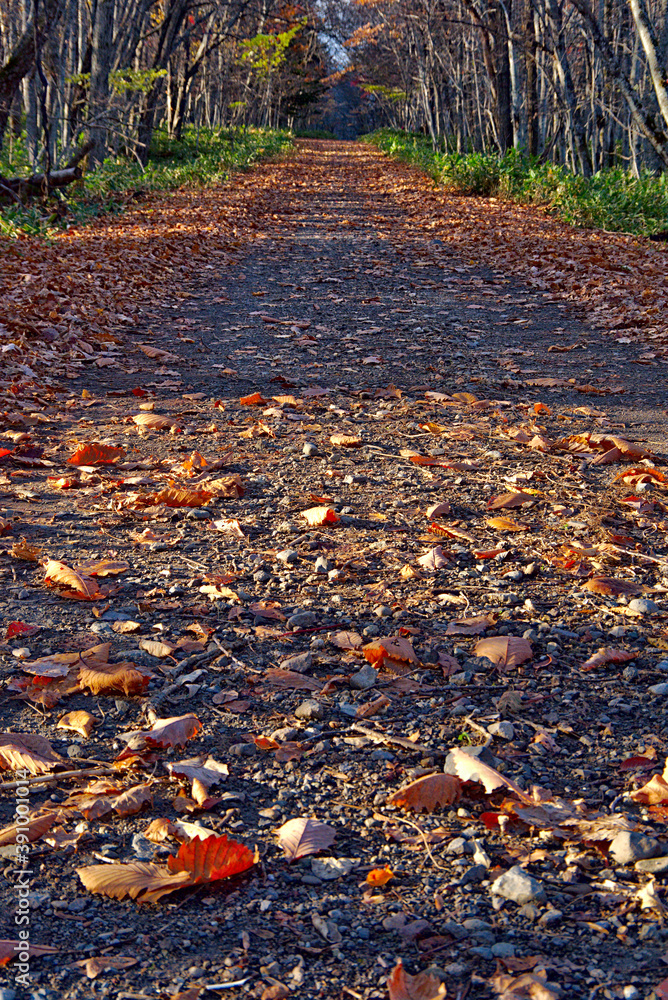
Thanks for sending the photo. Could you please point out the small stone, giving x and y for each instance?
(77, 905)
(456, 846)
(21, 653)
(287, 556)
(631, 992)
(143, 847)
(551, 918)
(262, 576)
(381, 754)
(310, 709)
(300, 662)
(503, 730)
(302, 619)
(284, 734)
(503, 949)
(660, 689)
(309, 449)
(7, 994)
(643, 606)
(630, 674)
(629, 846)
(476, 873)
(653, 866)
(518, 886)
(74, 750)
(322, 565)
(482, 952)
(364, 679)
(529, 912)
(662, 665)
(102, 628)
(382, 611)
(473, 924)
(243, 750)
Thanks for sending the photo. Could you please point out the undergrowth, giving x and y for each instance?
(201, 158)
(613, 200)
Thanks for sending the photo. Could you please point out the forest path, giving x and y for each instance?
(403, 283)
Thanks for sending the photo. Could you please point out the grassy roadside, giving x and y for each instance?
(200, 159)
(613, 199)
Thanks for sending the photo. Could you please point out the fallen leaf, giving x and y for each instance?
(610, 586)
(395, 647)
(434, 559)
(81, 722)
(346, 441)
(379, 876)
(153, 421)
(172, 732)
(469, 768)
(102, 567)
(92, 967)
(317, 516)
(27, 752)
(9, 950)
(300, 837)
(506, 524)
(94, 453)
(424, 986)
(506, 500)
(607, 654)
(256, 399)
(33, 827)
(528, 986)
(471, 626)
(104, 678)
(427, 794)
(60, 575)
(505, 650)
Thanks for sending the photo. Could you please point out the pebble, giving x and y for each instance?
(653, 866)
(662, 665)
(473, 924)
(503, 949)
(504, 730)
(382, 611)
(518, 886)
(300, 662)
(474, 874)
(322, 565)
(661, 689)
(456, 846)
(381, 754)
(302, 619)
(364, 679)
(143, 847)
(287, 556)
(74, 750)
(284, 734)
(243, 750)
(551, 918)
(631, 992)
(482, 952)
(643, 606)
(309, 449)
(7, 994)
(629, 846)
(310, 709)
(21, 653)
(618, 631)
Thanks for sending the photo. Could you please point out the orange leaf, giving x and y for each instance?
(504, 650)
(424, 986)
(211, 859)
(607, 654)
(506, 524)
(256, 399)
(610, 586)
(175, 731)
(58, 573)
(104, 678)
(26, 752)
(317, 516)
(510, 500)
(346, 441)
(94, 453)
(379, 876)
(428, 793)
(393, 648)
(154, 421)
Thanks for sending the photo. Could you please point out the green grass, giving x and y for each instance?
(613, 199)
(198, 160)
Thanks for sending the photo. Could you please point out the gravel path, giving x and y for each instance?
(394, 372)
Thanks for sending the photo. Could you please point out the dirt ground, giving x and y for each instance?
(472, 396)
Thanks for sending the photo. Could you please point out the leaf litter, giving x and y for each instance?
(469, 687)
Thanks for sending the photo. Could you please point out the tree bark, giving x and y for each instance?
(22, 59)
(101, 52)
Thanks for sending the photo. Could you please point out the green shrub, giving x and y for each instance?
(200, 158)
(613, 199)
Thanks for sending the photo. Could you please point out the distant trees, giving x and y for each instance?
(109, 72)
(582, 82)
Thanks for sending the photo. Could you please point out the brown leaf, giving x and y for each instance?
(23, 550)
(506, 500)
(256, 399)
(428, 794)
(81, 722)
(26, 752)
(471, 626)
(69, 580)
(317, 516)
(291, 680)
(434, 559)
(347, 640)
(137, 879)
(175, 498)
(655, 792)
(528, 986)
(372, 707)
(102, 567)
(175, 731)
(505, 650)
(227, 486)
(471, 769)
(395, 647)
(156, 647)
(104, 678)
(92, 967)
(345, 441)
(33, 827)
(204, 772)
(607, 654)
(424, 986)
(94, 453)
(9, 949)
(506, 524)
(153, 421)
(299, 837)
(610, 586)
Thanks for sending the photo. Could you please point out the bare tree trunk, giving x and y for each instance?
(103, 27)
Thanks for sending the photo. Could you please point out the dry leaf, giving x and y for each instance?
(256, 399)
(9, 950)
(428, 794)
(506, 524)
(81, 722)
(317, 516)
(300, 837)
(607, 654)
(655, 792)
(94, 453)
(33, 827)
(92, 967)
(63, 576)
(227, 486)
(610, 586)
(156, 647)
(528, 986)
(434, 559)
(505, 650)
(175, 498)
(510, 500)
(469, 768)
(172, 732)
(153, 421)
(395, 647)
(102, 567)
(23, 550)
(379, 876)
(424, 986)
(105, 678)
(470, 626)
(345, 441)
(26, 752)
